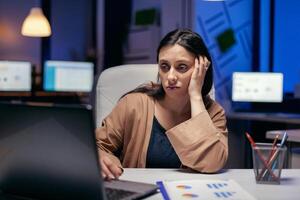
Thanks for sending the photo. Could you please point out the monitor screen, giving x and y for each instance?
(15, 76)
(257, 87)
(68, 76)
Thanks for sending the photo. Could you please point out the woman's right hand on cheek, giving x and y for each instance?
(109, 169)
(198, 75)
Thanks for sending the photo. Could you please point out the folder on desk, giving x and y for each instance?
(203, 190)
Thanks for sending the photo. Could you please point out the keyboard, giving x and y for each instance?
(118, 194)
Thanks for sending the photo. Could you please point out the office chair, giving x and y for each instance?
(116, 81)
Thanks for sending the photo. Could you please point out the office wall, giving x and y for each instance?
(71, 23)
(100, 34)
(279, 39)
(176, 14)
(286, 52)
(232, 21)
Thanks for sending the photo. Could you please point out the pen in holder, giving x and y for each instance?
(268, 161)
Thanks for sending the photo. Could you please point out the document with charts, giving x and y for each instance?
(203, 190)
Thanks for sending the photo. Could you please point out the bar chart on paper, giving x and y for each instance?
(203, 189)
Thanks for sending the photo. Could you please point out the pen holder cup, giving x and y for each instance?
(268, 161)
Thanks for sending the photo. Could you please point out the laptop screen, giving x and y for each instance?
(48, 152)
(15, 76)
(68, 76)
(257, 87)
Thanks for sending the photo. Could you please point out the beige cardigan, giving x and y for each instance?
(200, 142)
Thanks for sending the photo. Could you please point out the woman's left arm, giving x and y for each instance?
(196, 84)
(201, 142)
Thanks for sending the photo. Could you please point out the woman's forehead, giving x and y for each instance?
(175, 52)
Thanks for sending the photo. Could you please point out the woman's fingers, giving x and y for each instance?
(201, 65)
(106, 173)
(196, 69)
(204, 64)
(109, 169)
(207, 63)
(114, 169)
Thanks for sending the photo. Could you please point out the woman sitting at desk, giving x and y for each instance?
(171, 124)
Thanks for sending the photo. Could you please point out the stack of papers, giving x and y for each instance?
(203, 190)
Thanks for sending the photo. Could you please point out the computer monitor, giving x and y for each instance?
(68, 76)
(257, 87)
(15, 76)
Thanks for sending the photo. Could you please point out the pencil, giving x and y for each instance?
(269, 158)
(275, 155)
(260, 155)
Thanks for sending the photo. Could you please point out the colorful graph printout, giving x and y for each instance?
(203, 190)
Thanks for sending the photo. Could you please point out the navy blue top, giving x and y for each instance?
(160, 152)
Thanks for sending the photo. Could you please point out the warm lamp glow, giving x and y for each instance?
(36, 24)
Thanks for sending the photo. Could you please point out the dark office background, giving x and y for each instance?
(267, 41)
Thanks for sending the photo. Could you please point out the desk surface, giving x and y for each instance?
(293, 134)
(269, 117)
(288, 189)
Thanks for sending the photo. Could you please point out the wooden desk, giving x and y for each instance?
(288, 189)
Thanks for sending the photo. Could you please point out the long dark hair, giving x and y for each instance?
(193, 43)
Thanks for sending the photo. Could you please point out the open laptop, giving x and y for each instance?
(49, 152)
